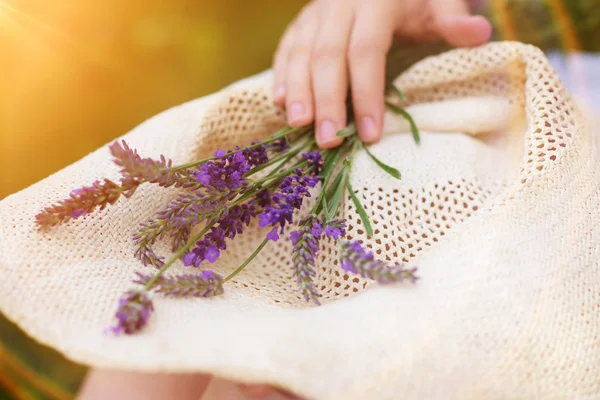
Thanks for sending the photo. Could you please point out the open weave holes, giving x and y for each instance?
(407, 219)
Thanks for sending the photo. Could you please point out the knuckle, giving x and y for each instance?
(327, 104)
(364, 48)
(362, 99)
(327, 52)
(300, 52)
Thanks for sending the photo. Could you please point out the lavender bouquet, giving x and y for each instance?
(266, 181)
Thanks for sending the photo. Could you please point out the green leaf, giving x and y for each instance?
(361, 211)
(390, 170)
(339, 191)
(348, 131)
(396, 91)
(413, 126)
(329, 166)
(328, 215)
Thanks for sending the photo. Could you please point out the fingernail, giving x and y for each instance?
(279, 92)
(296, 112)
(327, 132)
(368, 129)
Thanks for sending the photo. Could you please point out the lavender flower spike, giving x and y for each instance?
(306, 246)
(205, 284)
(356, 260)
(288, 197)
(135, 308)
(81, 201)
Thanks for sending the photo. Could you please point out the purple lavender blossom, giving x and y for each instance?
(135, 308)
(205, 284)
(287, 198)
(355, 259)
(227, 171)
(186, 211)
(279, 146)
(180, 238)
(315, 160)
(81, 201)
(306, 245)
(136, 170)
(257, 155)
(234, 219)
(229, 224)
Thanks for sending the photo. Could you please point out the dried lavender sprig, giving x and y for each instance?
(136, 170)
(229, 224)
(180, 238)
(284, 132)
(179, 254)
(205, 284)
(81, 201)
(133, 313)
(289, 196)
(306, 245)
(222, 179)
(355, 259)
(180, 215)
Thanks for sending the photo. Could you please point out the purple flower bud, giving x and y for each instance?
(229, 224)
(306, 246)
(211, 254)
(356, 260)
(273, 235)
(205, 284)
(315, 160)
(288, 197)
(80, 202)
(135, 308)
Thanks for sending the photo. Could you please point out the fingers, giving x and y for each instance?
(370, 41)
(265, 392)
(330, 73)
(104, 384)
(280, 64)
(457, 27)
(298, 86)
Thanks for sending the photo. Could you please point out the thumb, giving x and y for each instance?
(455, 24)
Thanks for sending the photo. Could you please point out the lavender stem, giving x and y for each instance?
(178, 255)
(252, 256)
(282, 133)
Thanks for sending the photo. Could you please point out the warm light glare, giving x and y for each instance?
(77, 74)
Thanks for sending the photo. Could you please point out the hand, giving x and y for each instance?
(107, 384)
(336, 44)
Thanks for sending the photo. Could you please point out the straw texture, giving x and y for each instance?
(499, 208)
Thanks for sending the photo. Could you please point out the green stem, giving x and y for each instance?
(177, 255)
(284, 173)
(286, 157)
(248, 260)
(413, 126)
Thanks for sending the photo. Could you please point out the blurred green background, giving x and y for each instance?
(76, 74)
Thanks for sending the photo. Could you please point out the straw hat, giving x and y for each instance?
(498, 207)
